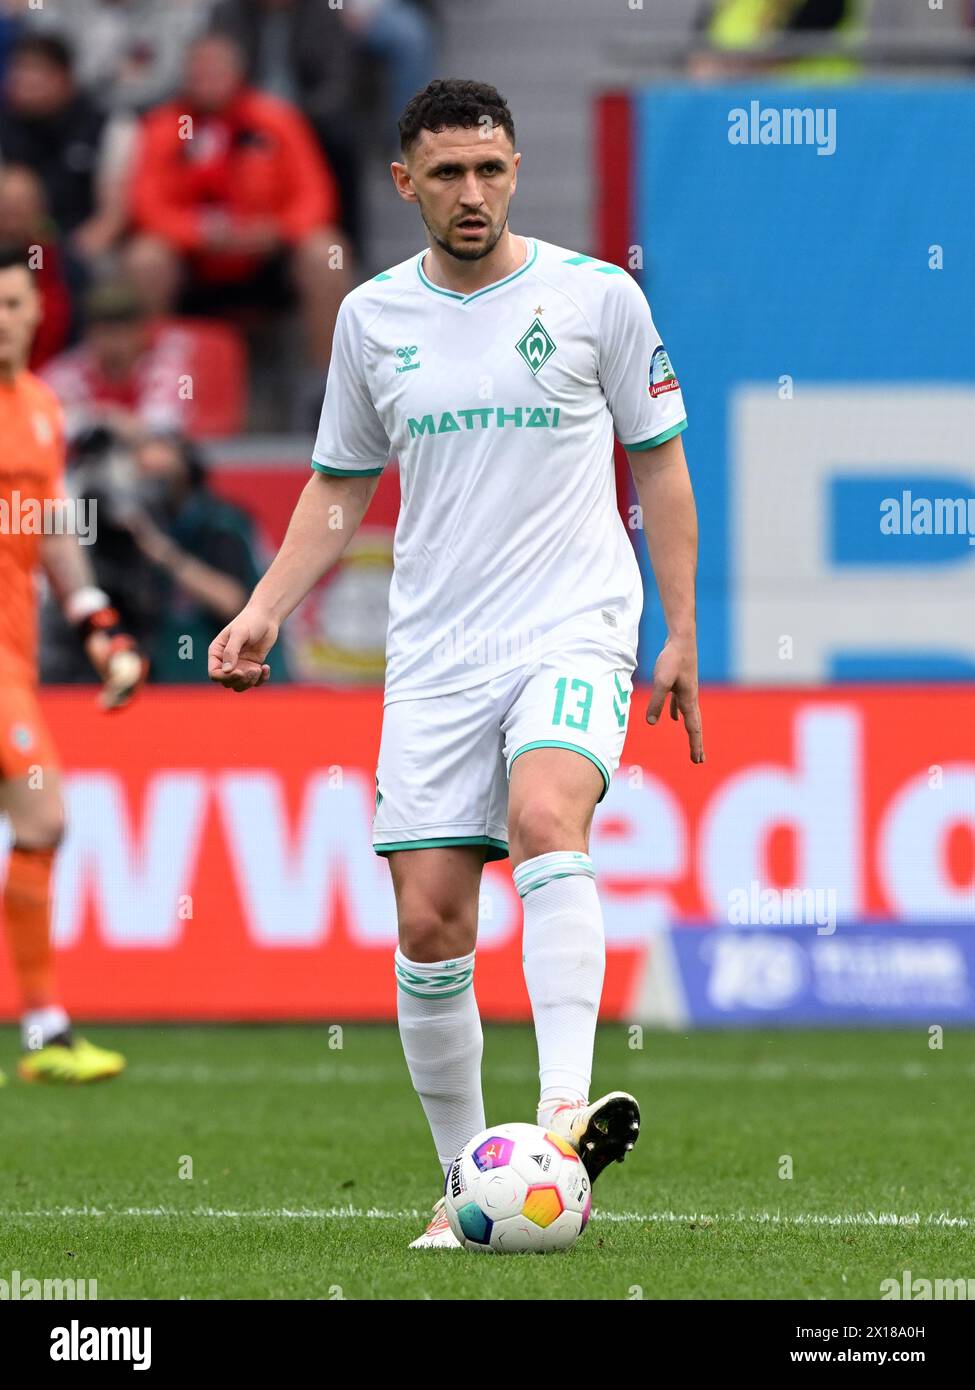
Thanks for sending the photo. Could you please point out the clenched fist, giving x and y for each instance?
(236, 655)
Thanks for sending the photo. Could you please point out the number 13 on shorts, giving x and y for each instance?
(574, 699)
(577, 718)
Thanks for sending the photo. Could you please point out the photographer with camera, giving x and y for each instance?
(181, 559)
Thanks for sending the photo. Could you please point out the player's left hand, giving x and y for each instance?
(675, 674)
(120, 666)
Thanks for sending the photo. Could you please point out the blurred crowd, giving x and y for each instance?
(184, 178)
(178, 560)
(193, 170)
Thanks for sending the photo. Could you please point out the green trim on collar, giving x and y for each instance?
(469, 298)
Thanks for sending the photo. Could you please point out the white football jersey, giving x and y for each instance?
(501, 407)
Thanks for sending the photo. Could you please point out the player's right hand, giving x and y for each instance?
(236, 655)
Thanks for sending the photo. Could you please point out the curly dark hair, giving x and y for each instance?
(452, 101)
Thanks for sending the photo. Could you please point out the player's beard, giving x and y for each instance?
(466, 253)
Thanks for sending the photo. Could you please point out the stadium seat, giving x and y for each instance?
(219, 371)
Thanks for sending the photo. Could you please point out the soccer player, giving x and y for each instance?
(31, 466)
(496, 367)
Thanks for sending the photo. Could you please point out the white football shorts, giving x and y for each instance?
(444, 760)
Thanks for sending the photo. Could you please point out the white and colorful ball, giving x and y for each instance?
(517, 1188)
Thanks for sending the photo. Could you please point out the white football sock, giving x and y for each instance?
(39, 1026)
(440, 1029)
(564, 957)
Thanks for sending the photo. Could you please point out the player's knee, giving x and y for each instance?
(428, 932)
(541, 824)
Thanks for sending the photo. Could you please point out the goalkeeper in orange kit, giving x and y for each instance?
(31, 467)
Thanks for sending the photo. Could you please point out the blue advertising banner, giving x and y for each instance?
(806, 252)
(756, 976)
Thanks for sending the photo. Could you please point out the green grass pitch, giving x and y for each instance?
(312, 1168)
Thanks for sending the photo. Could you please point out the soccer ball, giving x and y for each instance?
(517, 1188)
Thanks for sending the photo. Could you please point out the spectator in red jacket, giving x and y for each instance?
(234, 203)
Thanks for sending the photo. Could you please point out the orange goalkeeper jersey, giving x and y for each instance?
(31, 468)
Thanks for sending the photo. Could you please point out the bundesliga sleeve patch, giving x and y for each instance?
(661, 373)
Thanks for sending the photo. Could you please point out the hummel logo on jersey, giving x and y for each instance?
(620, 701)
(535, 346)
(406, 355)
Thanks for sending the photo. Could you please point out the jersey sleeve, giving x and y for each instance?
(351, 439)
(52, 487)
(639, 384)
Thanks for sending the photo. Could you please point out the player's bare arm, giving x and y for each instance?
(663, 486)
(327, 516)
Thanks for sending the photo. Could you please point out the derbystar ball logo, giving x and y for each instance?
(662, 376)
(456, 1180)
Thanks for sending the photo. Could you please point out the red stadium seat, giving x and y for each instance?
(219, 370)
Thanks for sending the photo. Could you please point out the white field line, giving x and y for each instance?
(914, 1220)
(351, 1073)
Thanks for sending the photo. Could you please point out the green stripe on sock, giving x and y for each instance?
(532, 875)
(440, 993)
(443, 984)
(523, 892)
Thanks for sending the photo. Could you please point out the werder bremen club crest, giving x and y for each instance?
(535, 346)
